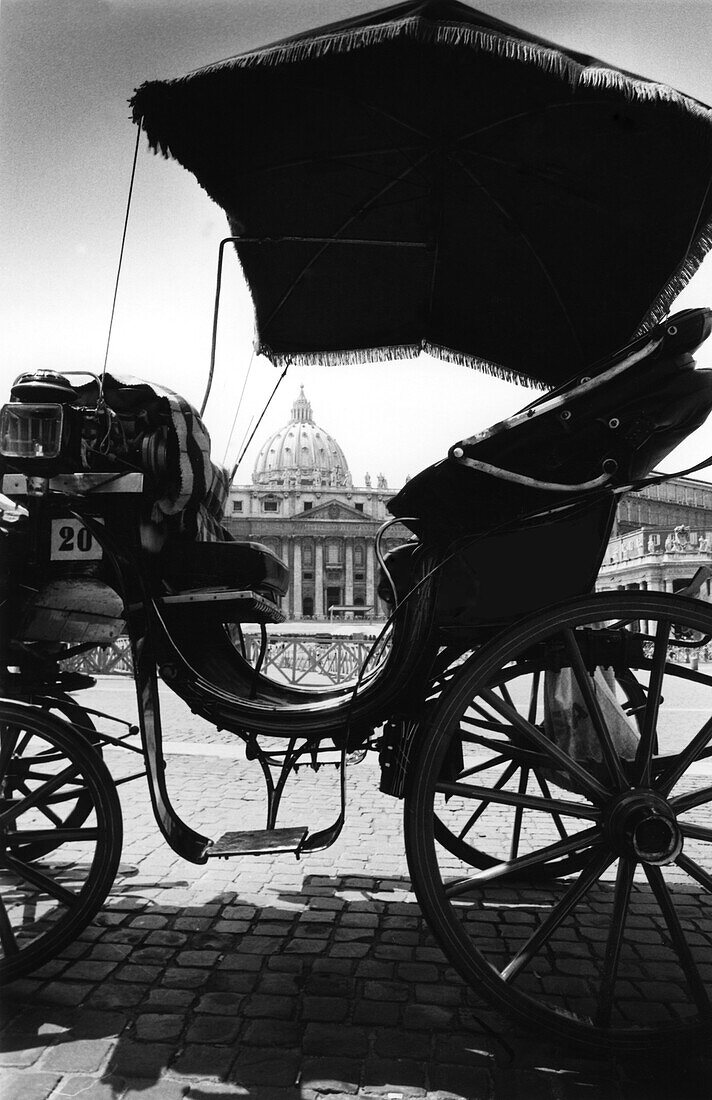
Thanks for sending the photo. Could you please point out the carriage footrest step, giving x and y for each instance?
(258, 842)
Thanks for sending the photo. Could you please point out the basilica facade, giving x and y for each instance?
(304, 505)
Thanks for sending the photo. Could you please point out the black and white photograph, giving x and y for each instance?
(355, 549)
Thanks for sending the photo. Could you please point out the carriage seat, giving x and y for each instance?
(617, 422)
(227, 581)
(492, 581)
(510, 548)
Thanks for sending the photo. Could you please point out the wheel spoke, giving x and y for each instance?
(681, 672)
(488, 723)
(7, 934)
(476, 768)
(8, 744)
(682, 802)
(677, 935)
(55, 836)
(22, 788)
(644, 755)
(695, 871)
(544, 788)
(506, 748)
(695, 832)
(514, 798)
(71, 794)
(595, 790)
(534, 697)
(614, 943)
(40, 794)
(585, 683)
(38, 878)
(669, 778)
(518, 814)
(577, 842)
(506, 775)
(485, 714)
(504, 692)
(37, 769)
(590, 874)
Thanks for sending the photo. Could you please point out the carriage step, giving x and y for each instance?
(258, 842)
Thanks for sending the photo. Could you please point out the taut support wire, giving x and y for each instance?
(121, 258)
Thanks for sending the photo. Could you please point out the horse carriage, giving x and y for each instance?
(507, 686)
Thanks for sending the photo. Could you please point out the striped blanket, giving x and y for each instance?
(197, 496)
(191, 492)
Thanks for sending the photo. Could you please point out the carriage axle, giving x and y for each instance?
(642, 825)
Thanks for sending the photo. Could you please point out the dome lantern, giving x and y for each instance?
(301, 454)
(302, 410)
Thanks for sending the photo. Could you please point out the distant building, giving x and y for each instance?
(662, 536)
(680, 500)
(303, 504)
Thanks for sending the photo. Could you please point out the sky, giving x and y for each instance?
(67, 70)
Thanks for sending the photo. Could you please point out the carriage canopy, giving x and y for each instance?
(426, 177)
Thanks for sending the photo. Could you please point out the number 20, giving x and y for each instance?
(84, 539)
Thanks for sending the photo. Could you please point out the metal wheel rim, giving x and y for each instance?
(83, 726)
(421, 844)
(43, 907)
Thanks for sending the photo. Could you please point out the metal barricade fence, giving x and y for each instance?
(306, 660)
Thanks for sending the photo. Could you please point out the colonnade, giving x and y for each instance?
(341, 573)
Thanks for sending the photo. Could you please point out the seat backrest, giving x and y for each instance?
(625, 420)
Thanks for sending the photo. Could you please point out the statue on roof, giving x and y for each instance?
(681, 538)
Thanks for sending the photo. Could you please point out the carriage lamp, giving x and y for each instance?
(31, 431)
(38, 426)
(42, 430)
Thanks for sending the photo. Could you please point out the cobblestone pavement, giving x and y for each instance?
(275, 979)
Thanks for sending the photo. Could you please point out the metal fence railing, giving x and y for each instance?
(306, 660)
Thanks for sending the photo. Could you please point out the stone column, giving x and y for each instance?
(349, 574)
(318, 579)
(370, 585)
(297, 580)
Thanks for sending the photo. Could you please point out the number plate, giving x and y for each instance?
(72, 541)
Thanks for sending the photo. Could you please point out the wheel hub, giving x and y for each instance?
(642, 825)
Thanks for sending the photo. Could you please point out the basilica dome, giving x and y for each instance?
(301, 453)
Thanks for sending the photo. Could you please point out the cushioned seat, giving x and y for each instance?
(238, 565)
(632, 411)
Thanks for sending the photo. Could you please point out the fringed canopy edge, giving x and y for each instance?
(549, 58)
(677, 282)
(657, 311)
(392, 352)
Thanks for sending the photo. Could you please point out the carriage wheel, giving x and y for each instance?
(45, 903)
(70, 814)
(514, 768)
(614, 778)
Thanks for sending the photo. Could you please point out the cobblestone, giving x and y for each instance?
(284, 981)
(28, 1085)
(376, 1013)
